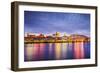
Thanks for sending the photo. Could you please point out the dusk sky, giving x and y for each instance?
(51, 22)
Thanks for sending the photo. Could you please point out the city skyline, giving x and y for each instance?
(51, 22)
(60, 34)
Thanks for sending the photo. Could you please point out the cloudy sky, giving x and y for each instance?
(51, 22)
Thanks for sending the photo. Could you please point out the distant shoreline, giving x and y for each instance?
(53, 41)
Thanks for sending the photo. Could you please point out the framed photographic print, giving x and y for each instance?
(52, 36)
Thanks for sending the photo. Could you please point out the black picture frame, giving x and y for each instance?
(15, 33)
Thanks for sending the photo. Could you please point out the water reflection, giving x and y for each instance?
(56, 51)
(64, 50)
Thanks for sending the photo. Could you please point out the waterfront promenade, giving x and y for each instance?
(54, 41)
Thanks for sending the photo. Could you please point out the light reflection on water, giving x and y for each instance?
(56, 51)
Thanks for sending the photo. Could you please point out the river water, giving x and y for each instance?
(56, 51)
